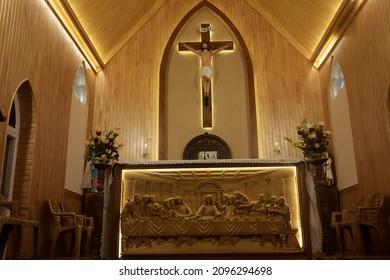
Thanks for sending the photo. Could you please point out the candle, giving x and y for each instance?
(277, 148)
(146, 148)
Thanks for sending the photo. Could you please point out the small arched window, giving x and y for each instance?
(342, 138)
(74, 177)
(337, 79)
(79, 86)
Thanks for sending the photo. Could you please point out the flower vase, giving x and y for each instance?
(317, 167)
(102, 167)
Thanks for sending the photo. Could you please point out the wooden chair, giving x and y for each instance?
(18, 223)
(346, 221)
(369, 219)
(10, 205)
(358, 221)
(87, 227)
(10, 225)
(65, 225)
(28, 220)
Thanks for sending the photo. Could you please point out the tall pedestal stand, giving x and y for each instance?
(95, 207)
(327, 202)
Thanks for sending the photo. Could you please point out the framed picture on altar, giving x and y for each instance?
(205, 155)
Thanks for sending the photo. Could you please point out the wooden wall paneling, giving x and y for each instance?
(364, 55)
(283, 78)
(34, 47)
(73, 201)
(129, 85)
(90, 80)
(130, 81)
(388, 111)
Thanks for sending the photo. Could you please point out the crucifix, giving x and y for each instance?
(205, 49)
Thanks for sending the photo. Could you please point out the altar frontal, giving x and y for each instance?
(206, 208)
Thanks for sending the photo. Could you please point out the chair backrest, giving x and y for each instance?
(361, 201)
(54, 207)
(371, 214)
(376, 200)
(2, 199)
(65, 208)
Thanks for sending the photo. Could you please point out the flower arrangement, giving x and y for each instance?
(313, 140)
(102, 144)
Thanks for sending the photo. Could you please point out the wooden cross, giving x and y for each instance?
(213, 46)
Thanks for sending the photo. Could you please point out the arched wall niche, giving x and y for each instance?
(163, 105)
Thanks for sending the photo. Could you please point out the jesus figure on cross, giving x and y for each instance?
(205, 49)
(205, 55)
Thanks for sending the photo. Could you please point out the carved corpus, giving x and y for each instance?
(216, 207)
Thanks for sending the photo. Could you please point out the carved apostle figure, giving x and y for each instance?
(272, 206)
(166, 211)
(222, 202)
(145, 209)
(230, 210)
(284, 211)
(132, 209)
(259, 206)
(241, 202)
(154, 207)
(182, 208)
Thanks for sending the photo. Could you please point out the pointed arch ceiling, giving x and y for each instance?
(101, 27)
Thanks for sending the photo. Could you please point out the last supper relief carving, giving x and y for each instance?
(210, 210)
